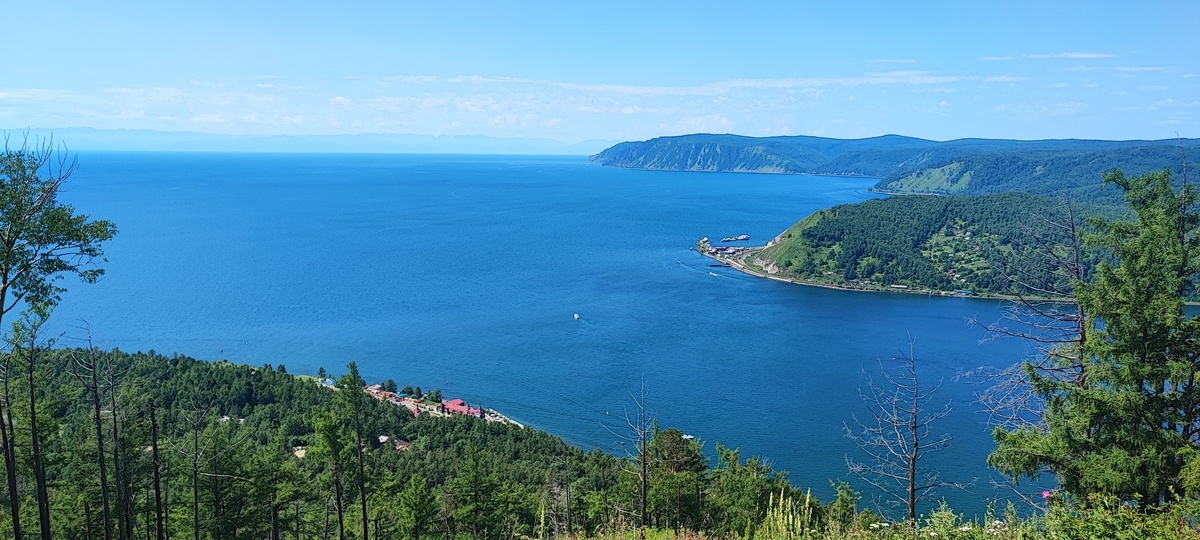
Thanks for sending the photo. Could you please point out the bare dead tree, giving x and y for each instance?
(1044, 312)
(640, 425)
(196, 417)
(88, 367)
(160, 530)
(899, 435)
(558, 497)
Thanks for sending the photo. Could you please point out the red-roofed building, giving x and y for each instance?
(458, 406)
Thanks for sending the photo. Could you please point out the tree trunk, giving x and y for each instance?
(39, 469)
(916, 450)
(362, 489)
(7, 438)
(645, 478)
(337, 486)
(124, 530)
(196, 481)
(160, 530)
(100, 456)
(87, 518)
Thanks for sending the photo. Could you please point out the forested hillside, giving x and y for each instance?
(908, 165)
(135, 442)
(979, 244)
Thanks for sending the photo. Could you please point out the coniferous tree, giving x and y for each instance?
(40, 239)
(354, 407)
(1124, 418)
(418, 508)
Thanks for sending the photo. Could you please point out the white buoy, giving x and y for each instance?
(577, 316)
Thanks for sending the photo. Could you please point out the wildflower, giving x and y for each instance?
(1046, 494)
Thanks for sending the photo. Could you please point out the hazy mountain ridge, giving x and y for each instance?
(909, 165)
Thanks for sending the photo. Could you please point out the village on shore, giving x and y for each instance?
(437, 408)
(739, 257)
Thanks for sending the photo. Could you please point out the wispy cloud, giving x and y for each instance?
(1136, 69)
(894, 61)
(996, 58)
(1005, 78)
(1066, 108)
(710, 123)
(33, 94)
(1072, 55)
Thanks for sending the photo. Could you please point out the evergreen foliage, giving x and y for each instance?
(1122, 408)
(978, 244)
(254, 452)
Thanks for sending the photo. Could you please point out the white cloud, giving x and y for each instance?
(34, 94)
(996, 58)
(1066, 108)
(894, 61)
(207, 84)
(339, 100)
(208, 118)
(710, 123)
(475, 103)
(1129, 69)
(1073, 55)
(1005, 78)
(412, 79)
(278, 86)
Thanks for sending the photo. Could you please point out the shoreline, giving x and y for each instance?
(737, 262)
(435, 409)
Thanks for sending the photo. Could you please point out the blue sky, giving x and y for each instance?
(612, 70)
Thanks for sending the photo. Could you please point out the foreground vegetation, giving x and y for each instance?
(218, 450)
(172, 446)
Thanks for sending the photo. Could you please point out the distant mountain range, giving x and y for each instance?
(87, 139)
(908, 165)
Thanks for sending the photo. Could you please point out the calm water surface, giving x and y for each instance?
(464, 272)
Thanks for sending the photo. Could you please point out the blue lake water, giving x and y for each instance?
(464, 272)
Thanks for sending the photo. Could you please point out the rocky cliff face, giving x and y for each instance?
(696, 156)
